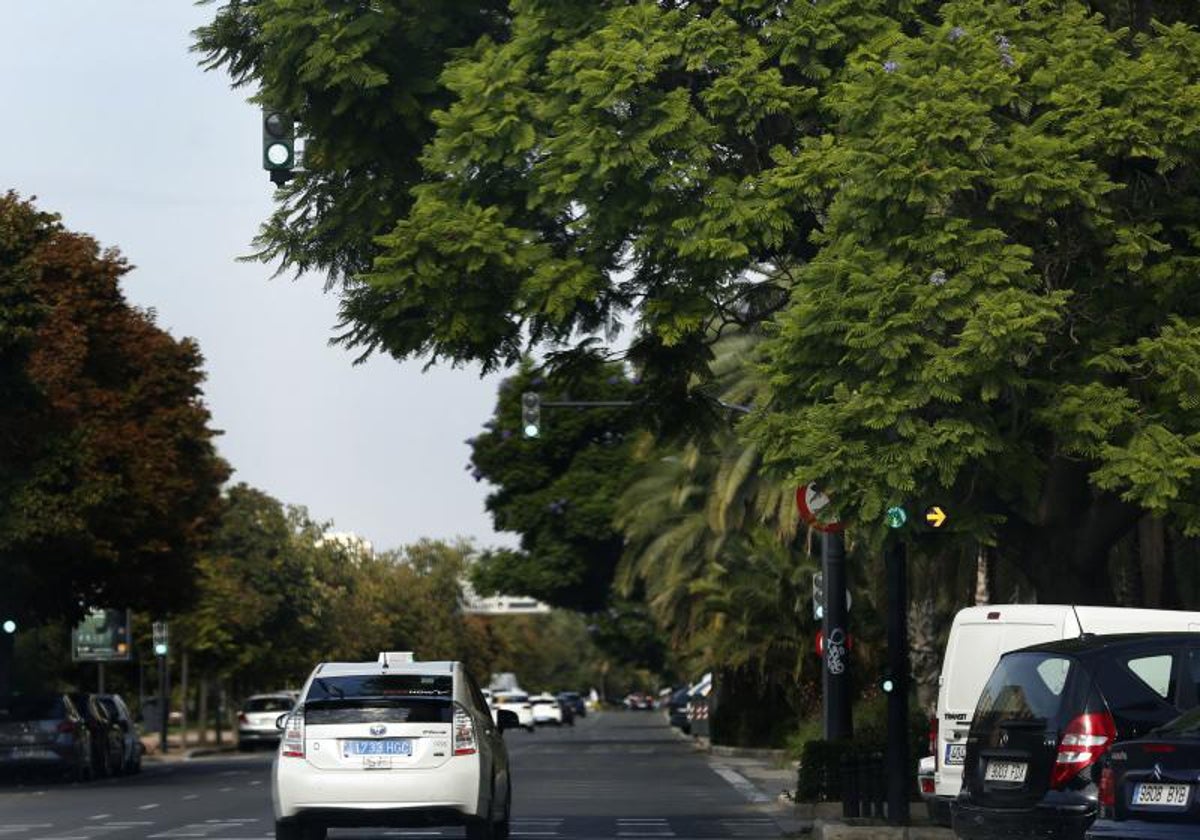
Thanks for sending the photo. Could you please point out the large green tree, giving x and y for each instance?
(1002, 314)
(109, 480)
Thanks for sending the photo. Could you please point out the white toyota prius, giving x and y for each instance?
(391, 743)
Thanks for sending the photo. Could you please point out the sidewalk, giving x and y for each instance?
(194, 749)
(768, 780)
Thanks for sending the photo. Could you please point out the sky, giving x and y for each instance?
(107, 119)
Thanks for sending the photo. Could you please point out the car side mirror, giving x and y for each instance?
(507, 720)
(281, 721)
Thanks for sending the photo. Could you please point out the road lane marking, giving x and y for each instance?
(149, 807)
(129, 823)
(100, 817)
(191, 796)
(225, 790)
(741, 784)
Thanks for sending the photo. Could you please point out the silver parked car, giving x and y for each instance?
(256, 719)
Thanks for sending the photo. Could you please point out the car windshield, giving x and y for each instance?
(268, 704)
(31, 708)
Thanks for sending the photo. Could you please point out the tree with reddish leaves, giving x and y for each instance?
(109, 479)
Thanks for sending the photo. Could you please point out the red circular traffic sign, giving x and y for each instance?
(810, 502)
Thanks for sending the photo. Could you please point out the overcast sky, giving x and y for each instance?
(106, 118)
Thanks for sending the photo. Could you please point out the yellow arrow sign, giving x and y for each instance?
(935, 516)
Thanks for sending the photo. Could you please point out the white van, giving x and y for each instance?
(978, 637)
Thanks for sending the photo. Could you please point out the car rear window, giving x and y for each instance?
(268, 704)
(31, 708)
(543, 701)
(1025, 686)
(380, 685)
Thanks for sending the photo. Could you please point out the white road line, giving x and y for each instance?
(224, 789)
(151, 806)
(129, 823)
(256, 782)
(100, 817)
(741, 784)
(191, 796)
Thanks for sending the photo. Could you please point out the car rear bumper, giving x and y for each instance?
(374, 797)
(972, 822)
(1142, 830)
(938, 808)
(260, 736)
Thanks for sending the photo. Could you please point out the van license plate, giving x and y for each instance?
(1005, 771)
(1167, 796)
(956, 753)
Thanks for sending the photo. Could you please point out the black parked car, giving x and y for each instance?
(108, 749)
(44, 732)
(677, 709)
(131, 740)
(1148, 787)
(1046, 718)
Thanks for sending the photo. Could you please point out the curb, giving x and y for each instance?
(774, 757)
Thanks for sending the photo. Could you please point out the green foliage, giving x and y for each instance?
(108, 473)
(999, 311)
(557, 490)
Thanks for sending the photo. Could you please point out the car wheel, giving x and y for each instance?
(313, 831)
(287, 830)
(503, 827)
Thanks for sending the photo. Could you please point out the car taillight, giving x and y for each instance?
(66, 727)
(927, 786)
(1085, 741)
(464, 732)
(933, 739)
(292, 743)
(242, 718)
(1108, 794)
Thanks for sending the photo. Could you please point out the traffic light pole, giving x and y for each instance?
(164, 710)
(899, 775)
(835, 673)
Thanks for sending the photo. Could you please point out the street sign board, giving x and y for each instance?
(102, 636)
(810, 501)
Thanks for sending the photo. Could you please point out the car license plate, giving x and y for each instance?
(1168, 796)
(1005, 771)
(377, 747)
(956, 753)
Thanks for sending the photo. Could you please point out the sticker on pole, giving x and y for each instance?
(810, 502)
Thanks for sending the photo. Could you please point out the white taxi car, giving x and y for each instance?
(391, 743)
(516, 702)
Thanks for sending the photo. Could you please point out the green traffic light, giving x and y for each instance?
(531, 431)
(160, 650)
(888, 685)
(10, 627)
(895, 517)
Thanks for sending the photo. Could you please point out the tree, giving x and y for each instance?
(1000, 315)
(557, 490)
(109, 480)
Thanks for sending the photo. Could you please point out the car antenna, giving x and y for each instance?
(1083, 634)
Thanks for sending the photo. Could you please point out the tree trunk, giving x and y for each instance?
(183, 698)
(924, 656)
(202, 711)
(1152, 552)
(983, 577)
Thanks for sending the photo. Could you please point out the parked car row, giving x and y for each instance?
(76, 736)
(685, 705)
(1079, 719)
(538, 709)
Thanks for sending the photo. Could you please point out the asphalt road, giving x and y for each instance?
(613, 776)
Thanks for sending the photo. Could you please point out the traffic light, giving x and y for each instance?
(531, 413)
(887, 683)
(9, 626)
(161, 634)
(279, 144)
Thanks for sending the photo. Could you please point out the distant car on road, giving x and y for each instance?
(1046, 718)
(677, 714)
(518, 703)
(131, 742)
(394, 742)
(256, 719)
(44, 732)
(575, 701)
(639, 701)
(546, 709)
